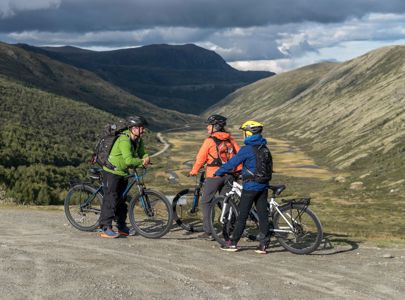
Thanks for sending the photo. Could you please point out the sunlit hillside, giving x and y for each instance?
(348, 116)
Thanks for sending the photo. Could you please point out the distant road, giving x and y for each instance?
(166, 145)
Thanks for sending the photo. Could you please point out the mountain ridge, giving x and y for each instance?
(186, 78)
(59, 78)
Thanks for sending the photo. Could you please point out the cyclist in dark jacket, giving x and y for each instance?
(253, 192)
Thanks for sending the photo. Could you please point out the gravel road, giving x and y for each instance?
(42, 257)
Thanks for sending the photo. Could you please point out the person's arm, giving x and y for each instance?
(142, 153)
(236, 148)
(125, 147)
(141, 149)
(202, 157)
(232, 163)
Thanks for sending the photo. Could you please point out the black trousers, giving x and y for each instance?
(211, 186)
(113, 203)
(259, 198)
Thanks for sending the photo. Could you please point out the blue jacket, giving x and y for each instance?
(247, 156)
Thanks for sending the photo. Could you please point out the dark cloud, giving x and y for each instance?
(121, 15)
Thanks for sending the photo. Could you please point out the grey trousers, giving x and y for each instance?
(211, 186)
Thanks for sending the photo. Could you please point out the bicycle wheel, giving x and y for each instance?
(297, 229)
(185, 214)
(221, 231)
(151, 215)
(83, 207)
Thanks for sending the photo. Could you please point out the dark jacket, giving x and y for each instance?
(247, 156)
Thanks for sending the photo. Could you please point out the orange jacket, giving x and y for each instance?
(208, 152)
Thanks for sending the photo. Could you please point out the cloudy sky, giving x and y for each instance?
(276, 35)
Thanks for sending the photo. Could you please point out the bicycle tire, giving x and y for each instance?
(147, 223)
(183, 214)
(89, 214)
(217, 228)
(307, 234)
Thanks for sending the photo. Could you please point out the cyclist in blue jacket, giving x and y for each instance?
(253, 191)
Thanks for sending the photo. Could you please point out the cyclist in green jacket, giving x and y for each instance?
(128, 151)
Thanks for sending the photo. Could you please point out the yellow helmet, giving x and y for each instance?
(251, 127)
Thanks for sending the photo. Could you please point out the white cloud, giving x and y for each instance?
(340, 53)
(276, 48)
(9, 8)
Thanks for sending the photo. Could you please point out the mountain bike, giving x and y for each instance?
(186, 206)
(150, 212)
(293, 223)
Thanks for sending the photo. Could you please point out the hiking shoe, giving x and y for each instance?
(206, 236)
(261, 249)
(123, 231)
(229, 246)
(108, 233)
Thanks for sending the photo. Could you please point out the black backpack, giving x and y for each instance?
(108, 137)
(264, 165)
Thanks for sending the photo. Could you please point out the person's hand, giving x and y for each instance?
(192, 174)
(146, 161)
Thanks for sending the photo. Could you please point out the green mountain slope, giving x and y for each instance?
(349, 116)
(45, 140)
(186, 78)
(58, 78)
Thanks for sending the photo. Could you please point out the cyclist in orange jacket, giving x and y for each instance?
(216, 150)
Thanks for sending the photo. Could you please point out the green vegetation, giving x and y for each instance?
(37, 70)
(45, 141)
(186, 78)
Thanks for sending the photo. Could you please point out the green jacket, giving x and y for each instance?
(124, 154)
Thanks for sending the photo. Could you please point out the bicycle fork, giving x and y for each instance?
(224, 219)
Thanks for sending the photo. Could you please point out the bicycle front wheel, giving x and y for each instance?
(297, 229)
(186, 213)
(222, 219)
(151, 214)
(83, 207)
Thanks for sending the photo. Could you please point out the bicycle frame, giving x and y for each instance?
(134, 178)
(197, 191)
(273, 206)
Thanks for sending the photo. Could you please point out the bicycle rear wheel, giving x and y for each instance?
(221, 231)
(185, 214)
(151, 214)
(298, 229)
(82, 207)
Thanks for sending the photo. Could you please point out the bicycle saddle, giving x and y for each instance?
(277, 189)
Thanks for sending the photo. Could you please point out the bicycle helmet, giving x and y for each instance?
(251, 127)
(137, 121)
(218, 121)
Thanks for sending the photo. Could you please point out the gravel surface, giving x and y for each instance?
(43, 257)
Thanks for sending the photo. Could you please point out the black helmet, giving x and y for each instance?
(137, 121)
(218, 121)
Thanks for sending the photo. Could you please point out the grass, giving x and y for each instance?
(358, 214)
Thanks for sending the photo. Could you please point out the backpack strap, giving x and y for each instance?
(217, 162)
(108, 164)
(251, 175)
